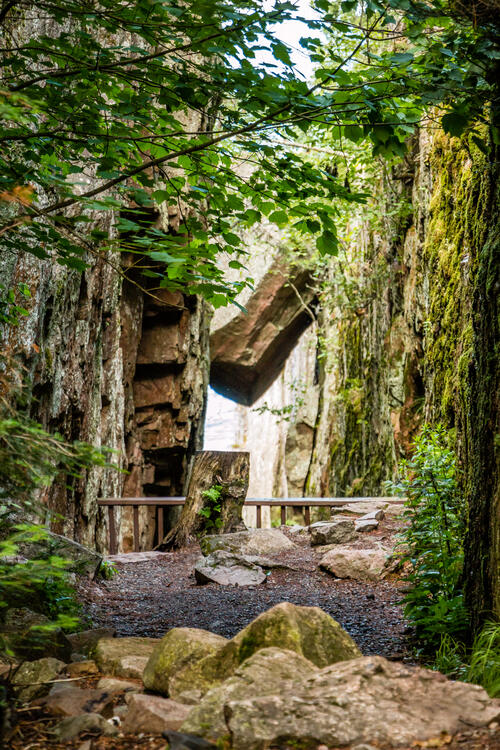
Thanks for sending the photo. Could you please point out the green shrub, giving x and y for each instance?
(484, 662)
(432, 540)
(211, 510)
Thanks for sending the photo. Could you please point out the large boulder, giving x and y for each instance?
(178, 649)
(30, 635)
(251, 542)
(228, 569)
(124, 657)
(268, 671)
(358, 564)
(336, 532)
(367, 700)
(307, 631)
(152, 714)
(33, 678)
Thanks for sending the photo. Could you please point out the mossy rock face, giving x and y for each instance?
(178, 649)
(270, 670)
(307, 631)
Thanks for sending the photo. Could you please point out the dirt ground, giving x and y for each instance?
(148, 598)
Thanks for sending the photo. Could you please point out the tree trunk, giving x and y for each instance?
(217, 489)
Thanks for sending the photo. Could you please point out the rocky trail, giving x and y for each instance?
(256, 666)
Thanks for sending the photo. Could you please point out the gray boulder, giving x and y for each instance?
(152, 714)
(228, 569)
(336, 532)
(367, 700)
(268, 671)
(178, 649)
(307, 631)
(124, 657)
(32, 679)
(251, 542)
(358, 564)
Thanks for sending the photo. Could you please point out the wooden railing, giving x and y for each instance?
(305, 503)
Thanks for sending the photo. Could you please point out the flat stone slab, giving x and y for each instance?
(127, 558)
(227, 569)
(124, 657)
(358, 564)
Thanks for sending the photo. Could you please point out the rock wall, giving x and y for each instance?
(114, 367)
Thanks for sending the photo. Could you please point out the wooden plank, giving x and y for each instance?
(126, 501)
(312, 502)
(113, 549)
(290, 502)
(283, 515)
(259, 516)
(136, 528)
(307, 515)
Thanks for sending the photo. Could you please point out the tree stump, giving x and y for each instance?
(216, 493)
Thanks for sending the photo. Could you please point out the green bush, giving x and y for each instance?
(432, 540)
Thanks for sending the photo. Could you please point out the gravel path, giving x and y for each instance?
(150, 597)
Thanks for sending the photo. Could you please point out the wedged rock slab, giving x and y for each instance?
(358, 564)
(307, 631)
(251, 542)
(228, 569)
(178, 649)
(33, 678)
(366, 525)
(367, 700)
(360, 509)
(375, 515)
(124, 657)
(69, 728)
(270, 670)
(335, 532)
(115, 685)
(151, 713)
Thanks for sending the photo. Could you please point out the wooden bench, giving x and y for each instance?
(305, 503)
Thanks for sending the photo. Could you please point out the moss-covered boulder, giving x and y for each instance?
(178, 649)
(33, 678)
(124, 657)
(307, 631)
(268, 671)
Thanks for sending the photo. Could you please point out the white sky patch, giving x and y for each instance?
(290, 33)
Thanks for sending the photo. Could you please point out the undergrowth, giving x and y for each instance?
(432, 549)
